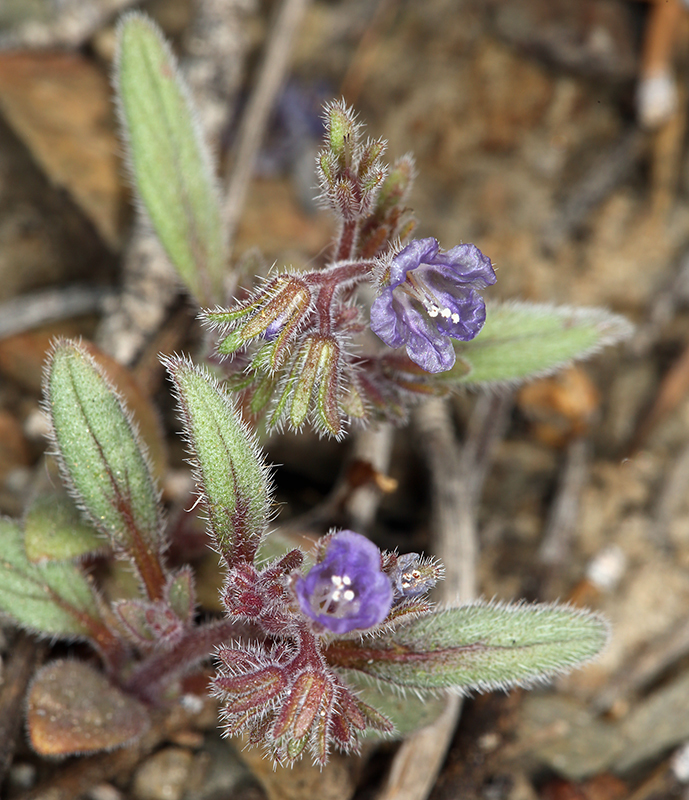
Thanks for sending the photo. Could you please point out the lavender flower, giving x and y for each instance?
(429, 297)
(347, 590)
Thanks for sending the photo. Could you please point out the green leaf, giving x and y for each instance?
(102, 459)
(170, 163)
(408, 713)
(482, 646)
(55, 530)
(524, 340)
(53, 598)
(234, 484)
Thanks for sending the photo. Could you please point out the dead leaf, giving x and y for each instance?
(60, 105)
(74, 709)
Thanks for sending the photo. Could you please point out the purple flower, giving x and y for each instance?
(431, 297)
(347, 590)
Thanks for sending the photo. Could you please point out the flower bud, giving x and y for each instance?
(275, 313)
(250, 690)
(311, 692)
(313, 380)
(396, 186)
(342, 133)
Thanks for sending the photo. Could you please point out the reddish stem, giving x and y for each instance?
(347, 240)
(151, 677)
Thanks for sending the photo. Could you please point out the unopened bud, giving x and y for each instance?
(303, 703)
(291, 298)
(251, 690)
(396, 185)
(276, 314)
(342, 133)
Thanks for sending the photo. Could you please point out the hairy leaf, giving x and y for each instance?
(233, 481)
(408, 713)
(482, 646)
(55, 530)
(524, 340)
(53, 598)
(73, 709)
(103, 461)
(169, 160)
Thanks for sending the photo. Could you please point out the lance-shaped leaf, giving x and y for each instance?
(524, 340)
(103, 461)
(233, 481)
(52, 598)
(169, 160)
(73, 709)
(482, 646)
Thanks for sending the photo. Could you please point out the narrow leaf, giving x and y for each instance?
(49, 598)
(170, 162)
(524, 340)
(55, 530)
(103, 461)
(233, 481)
(482, 646)
(73, 709)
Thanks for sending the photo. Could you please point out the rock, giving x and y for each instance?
(164, 775)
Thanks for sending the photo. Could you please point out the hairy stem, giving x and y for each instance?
(347, 239)
(150, 679)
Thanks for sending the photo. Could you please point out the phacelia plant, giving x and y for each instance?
(296, 635)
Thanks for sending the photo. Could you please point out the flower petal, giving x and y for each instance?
(418, 251)
(431, 298)
(347, 590)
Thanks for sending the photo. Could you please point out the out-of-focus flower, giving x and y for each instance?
(347, 590)
(429, 297)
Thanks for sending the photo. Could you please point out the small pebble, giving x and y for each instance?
(22, 775)
(164, 775)
(104, 791)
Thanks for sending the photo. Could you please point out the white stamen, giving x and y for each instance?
(349, 595)
(455, 318)
(433, 311)
(445, 313)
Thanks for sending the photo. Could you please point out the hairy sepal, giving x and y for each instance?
(234, 484)
(170, 163)
(481, 646)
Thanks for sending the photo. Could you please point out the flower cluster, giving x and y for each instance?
(289, 348)
(284, 690)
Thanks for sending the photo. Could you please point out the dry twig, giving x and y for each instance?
(50, 305)
(657, 656)
(260, 105)
(605, 176)
(564, 512)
